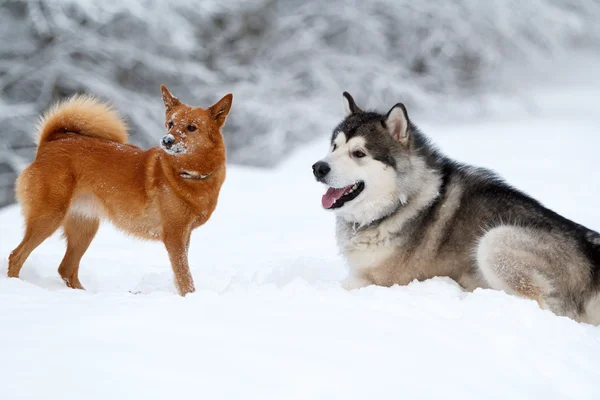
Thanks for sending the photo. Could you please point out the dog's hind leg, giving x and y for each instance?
(38, 229)
(79, 230)
(44, 199)
(529, 264)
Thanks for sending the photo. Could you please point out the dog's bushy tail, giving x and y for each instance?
(84, 115)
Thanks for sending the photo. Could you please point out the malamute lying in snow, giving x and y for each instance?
(406, 212)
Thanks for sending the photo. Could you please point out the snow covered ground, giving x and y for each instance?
(269, 320)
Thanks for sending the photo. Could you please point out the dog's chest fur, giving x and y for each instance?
(385, 259)
(404, 248)
(366, 250)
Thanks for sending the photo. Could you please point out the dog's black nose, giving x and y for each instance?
(320, 169)
(168, 140)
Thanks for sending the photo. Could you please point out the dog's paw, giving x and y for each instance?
(353, 282)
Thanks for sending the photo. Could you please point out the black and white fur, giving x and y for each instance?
(413, 213)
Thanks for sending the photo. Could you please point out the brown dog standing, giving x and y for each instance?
(85, 171)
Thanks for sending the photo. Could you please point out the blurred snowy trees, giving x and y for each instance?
(286, 61)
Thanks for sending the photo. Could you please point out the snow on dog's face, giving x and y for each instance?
(367, 164)
(193, 129)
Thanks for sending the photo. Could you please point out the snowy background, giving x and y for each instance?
(269, 319)
(286, 61)
(510, 85)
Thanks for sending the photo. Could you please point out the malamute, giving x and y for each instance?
(404, 212)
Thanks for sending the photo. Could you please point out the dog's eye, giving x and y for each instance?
(191, 128)
(170, 124)
(334, 147)
(358, 154)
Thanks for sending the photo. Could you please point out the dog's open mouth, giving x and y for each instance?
(335, 198)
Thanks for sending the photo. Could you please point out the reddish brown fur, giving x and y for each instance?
(84, 171)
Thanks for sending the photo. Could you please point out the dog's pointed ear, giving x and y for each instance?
(398, 124)
(220, 109)
(350, 106)
(169, 100)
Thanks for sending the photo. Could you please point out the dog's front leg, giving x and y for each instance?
(177, 243)
(355, 282)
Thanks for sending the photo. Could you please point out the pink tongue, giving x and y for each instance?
(331, 196)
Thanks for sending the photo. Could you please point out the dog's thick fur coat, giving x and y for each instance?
(406, 212)
(85, 171)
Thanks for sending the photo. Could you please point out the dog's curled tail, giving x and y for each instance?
(84, 115)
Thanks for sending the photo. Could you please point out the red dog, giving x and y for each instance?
(84, 171)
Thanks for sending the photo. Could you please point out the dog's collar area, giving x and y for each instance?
(194, 175)
(376, 222)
